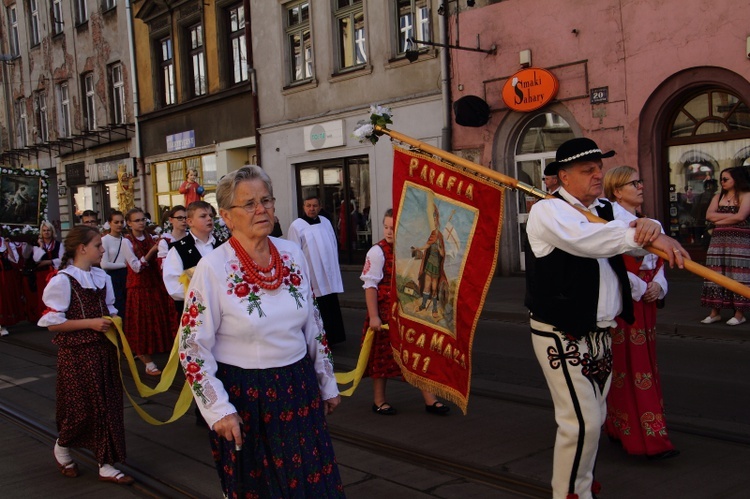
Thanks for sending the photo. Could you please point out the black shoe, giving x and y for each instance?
(664, 455)
(437, 409)
(384, 411)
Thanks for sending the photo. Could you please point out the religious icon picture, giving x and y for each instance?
(21, 199)
(432, 235)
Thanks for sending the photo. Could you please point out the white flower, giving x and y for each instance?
(364, 130)
(380, 110)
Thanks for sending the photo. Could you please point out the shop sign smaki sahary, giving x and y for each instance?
(530, 89)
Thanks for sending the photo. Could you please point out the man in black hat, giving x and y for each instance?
(576, 284)
(551, 182)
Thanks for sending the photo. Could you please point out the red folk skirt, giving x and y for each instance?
(11, 306)
(635, 407)
(381, 363)
(151, 320)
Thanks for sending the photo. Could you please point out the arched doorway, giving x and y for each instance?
(693, 126)
(535, 147)
(518, 137)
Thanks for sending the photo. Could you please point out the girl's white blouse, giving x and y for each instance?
(372, 272)
(57, 292)
(136, 264)
(166, 238)
(233, 321)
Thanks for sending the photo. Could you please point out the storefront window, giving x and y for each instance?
(710, 132)
(169, 175)
(83, 199)
(343, 186)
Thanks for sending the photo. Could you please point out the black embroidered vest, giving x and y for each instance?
(188, 252)
(563, 289)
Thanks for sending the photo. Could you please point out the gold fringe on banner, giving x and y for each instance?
(145, 391)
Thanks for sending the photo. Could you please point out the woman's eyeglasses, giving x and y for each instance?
(252, 205)
(635, 183)
(182, 218)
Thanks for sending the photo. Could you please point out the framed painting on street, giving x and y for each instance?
(23, 200)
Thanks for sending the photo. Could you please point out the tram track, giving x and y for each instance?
(676, 423)
(497, 480)
(151, 486)
(145, 485)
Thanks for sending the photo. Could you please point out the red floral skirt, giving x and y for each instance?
(635, 408)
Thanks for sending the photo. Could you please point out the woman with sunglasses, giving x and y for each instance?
(729, 251)
(150, 318)
(635, 411)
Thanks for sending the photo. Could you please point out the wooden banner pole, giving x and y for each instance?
(515, 184)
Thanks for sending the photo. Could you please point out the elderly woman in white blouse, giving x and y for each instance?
(254, 350)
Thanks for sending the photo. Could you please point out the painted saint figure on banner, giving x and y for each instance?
(430, 255)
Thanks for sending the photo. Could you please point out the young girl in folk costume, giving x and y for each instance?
(89, 410)
(11, 305)
(47, 255)
(377, 274)
(190, 188)
(150, 318)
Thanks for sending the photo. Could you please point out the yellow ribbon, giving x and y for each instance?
(145, 391)
(355, 376)
(185, 279)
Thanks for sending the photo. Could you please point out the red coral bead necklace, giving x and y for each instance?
(257, 273)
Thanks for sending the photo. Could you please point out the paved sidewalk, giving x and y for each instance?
(497, 434)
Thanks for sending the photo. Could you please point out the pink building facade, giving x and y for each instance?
(662, 82)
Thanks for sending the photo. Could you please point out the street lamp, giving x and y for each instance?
(412, 54)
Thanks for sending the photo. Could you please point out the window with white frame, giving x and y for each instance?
(168, 90)
(197, 60)
(89, 109)
(13, 34)
(34, 22)
(57, 17)
(299, 41)
(118, 94)
(350, 33)
(108, 4)
(21, 123)
(40, 112)
(412, 21)
(237, 43)
(63, 97)
(81, 11)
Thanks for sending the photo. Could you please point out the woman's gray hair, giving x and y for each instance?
(228, 184)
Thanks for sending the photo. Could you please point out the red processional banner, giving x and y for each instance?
(447, 225)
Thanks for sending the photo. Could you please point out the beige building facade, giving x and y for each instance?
(320, 65)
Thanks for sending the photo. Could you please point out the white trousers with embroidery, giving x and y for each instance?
(578, 374)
